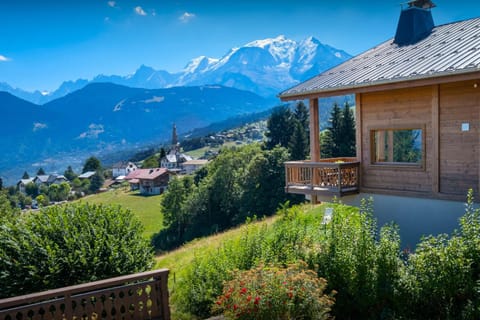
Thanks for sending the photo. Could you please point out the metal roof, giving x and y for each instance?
(450, 49)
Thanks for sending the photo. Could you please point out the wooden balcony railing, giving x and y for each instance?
(333, 176)
(137, 296)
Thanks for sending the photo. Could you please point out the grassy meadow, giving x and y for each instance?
(146, 208)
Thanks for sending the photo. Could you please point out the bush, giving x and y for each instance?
(66, 245)
(289, 239)
(360, 266)
(275, 293)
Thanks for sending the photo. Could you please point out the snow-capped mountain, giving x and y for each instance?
(265, 67)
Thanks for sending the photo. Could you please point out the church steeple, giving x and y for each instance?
(174, 136)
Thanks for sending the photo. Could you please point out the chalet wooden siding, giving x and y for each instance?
(459, 150)
(396, 109)
(451, 161)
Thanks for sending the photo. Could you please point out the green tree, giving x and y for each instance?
(42, 200)
(70, 174)
(96, 182)
(40, 172)
(92, 164)
(175, 217)
(31, 189)
(339, 138)
(6, 209)
(163, 154)
(53, 192)
(298, 145)
(238, 183)
(150, 162)
(63, 191)
(25, 175)
(67, 245)
(347, 137)
(279, 127)
(301, 114)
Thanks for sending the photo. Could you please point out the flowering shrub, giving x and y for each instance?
(275, 293)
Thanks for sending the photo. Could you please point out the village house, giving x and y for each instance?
(417, 111)
(22, 184)
(87, 175)
(189, 167)
(153, 181)
(123, 168)
(132, 178)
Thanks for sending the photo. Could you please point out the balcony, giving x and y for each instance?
(137, 296)
(333, 176)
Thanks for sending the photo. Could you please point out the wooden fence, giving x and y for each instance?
(137, 296)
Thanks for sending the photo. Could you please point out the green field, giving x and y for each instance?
(146, 208)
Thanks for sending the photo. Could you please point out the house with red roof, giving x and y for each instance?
(151, 181)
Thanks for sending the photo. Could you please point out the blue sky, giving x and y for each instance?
(43, 43)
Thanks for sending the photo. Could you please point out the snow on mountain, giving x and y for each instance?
(265, 67)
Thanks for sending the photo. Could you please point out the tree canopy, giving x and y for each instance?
(92, 164)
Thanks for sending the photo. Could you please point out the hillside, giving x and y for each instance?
(106, 118)
(147, 209)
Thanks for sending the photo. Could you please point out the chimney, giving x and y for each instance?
(415, 23)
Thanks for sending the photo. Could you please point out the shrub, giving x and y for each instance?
(360, 266)
(66, 245)
(275, 293)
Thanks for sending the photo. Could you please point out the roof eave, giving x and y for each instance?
(405, 82)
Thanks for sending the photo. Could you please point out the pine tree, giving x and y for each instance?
(279, 127)
(92, 164)
(40, 172)
(70, 174)
(347, 138)
(339, 138)
(298, 145)
(301, 114)
(25, 175)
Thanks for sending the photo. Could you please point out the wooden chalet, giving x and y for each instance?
(417, 110)
(153, 181)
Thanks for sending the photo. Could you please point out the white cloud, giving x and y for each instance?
(186, 17)
(112, 4)
(93, 131)
(140, 11)
(3, 58)
(39, 126)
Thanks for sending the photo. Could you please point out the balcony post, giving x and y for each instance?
(314, 140)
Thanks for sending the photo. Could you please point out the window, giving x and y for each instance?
(398, 146)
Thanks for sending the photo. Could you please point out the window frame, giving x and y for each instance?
(419, 166)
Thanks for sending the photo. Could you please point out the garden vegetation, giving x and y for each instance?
(362, 271)
(67, 245)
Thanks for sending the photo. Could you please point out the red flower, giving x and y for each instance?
(235, 307)
(243, 291)
(257, 299)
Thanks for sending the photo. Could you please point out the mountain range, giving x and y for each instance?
(105, 117)
(112, 113)
(264, 67)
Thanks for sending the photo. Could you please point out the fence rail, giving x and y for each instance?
(337, 176)
(137, 296)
